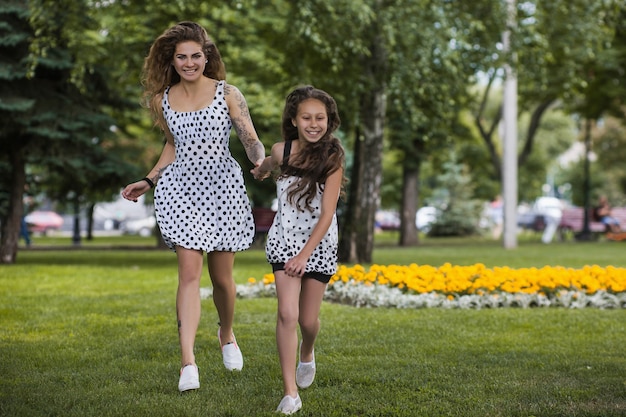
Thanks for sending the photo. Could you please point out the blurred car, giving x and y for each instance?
(387, 220)
(142, 227)
(41, 221)
(425, 217)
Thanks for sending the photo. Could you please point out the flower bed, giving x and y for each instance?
(474, 286)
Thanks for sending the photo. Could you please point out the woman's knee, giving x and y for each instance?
(189, 279)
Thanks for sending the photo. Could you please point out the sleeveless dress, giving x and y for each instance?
(200, 200)
(292, 228)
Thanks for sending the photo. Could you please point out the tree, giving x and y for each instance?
(50, 116)
(349, 61)
(459, 211)
(551, 56)
(426, 94)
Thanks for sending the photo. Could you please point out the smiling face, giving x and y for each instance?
(189, 60)
(311, 120)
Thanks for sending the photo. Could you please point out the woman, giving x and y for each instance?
(200, 202)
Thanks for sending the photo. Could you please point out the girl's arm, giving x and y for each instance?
(242, 122)
(296, 265)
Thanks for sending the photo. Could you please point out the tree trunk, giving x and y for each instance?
(409, 235)
(487, 134)
(533, 126)
(368, 159)
(347, 244)
(358, 232)
(10, 231)
(76, 237)
(89, 214)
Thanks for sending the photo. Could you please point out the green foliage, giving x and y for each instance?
(574, 176)
(460, 213)
(554, 137)
(610, 148)
(436, 55)
(250, 37)
(54, 123)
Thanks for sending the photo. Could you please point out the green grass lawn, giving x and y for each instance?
(93, 333)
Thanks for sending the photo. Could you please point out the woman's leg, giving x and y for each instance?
(188, 301)
(311, 298)
(224, 291)
(288, 294)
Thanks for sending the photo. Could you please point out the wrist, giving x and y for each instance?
(149, 181)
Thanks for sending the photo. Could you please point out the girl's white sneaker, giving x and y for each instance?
(305, 372)
(289, 405)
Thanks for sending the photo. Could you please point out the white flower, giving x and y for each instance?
(375, 295)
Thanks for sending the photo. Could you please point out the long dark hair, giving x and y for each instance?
(315, 162)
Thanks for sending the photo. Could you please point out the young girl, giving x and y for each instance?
(302, 242)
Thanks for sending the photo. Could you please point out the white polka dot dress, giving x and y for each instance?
(292, 228)
(200, 200)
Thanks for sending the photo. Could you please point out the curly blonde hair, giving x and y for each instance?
(159, 73)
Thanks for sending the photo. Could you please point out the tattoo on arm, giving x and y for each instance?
(240, 99)
(254, 148)
(156, 177)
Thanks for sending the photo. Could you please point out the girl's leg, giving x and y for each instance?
(188, 301)
(224, 291)
(310, 303)
(288, 294)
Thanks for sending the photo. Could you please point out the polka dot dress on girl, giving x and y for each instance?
(292, 227)
(200, 200)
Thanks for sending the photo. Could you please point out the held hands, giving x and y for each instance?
(258, 172)
(133, 191)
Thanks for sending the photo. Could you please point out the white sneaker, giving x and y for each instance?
(189, 378)
(305, 373)
(231, 355)
(289, 405)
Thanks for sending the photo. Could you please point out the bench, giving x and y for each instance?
(573, 219)
(263, 218)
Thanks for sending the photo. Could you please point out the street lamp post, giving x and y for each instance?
(509, 158)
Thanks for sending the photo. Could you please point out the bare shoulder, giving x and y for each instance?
(277, 151)
(278, 146)
(236, 102)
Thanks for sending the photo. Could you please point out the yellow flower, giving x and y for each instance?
(452, 280)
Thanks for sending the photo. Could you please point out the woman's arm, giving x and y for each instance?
(134, 190)
(242, 122)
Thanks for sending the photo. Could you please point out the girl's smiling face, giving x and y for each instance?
(189, 60)
(311, 120)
